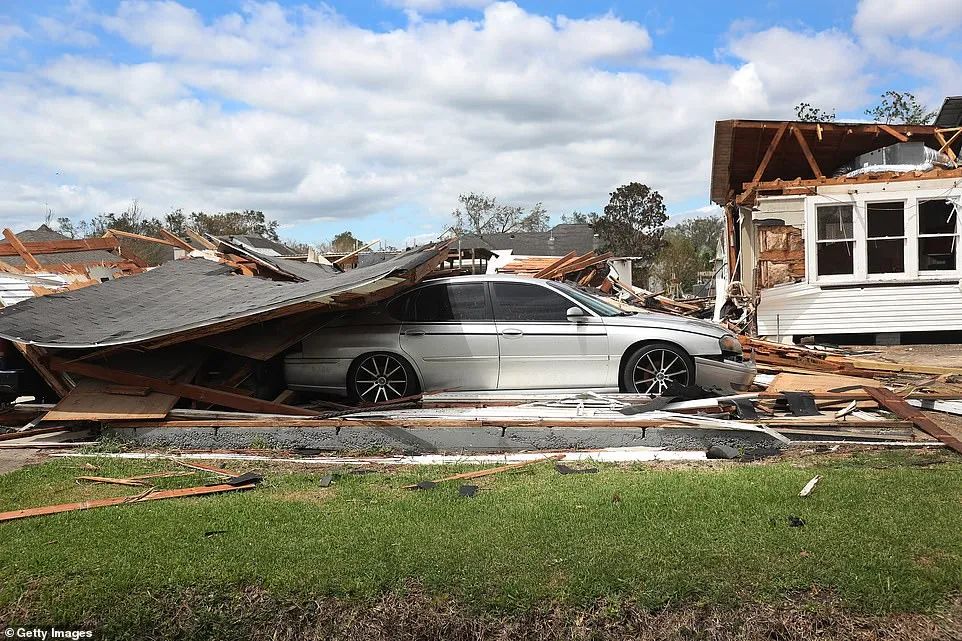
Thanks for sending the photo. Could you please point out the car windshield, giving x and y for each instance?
(593, 303)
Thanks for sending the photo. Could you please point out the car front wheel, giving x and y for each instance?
(653, 368)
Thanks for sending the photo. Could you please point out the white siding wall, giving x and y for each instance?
(802, 309)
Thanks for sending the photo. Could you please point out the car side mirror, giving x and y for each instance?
(576, 314)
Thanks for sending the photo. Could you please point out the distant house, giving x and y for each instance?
(557, 241)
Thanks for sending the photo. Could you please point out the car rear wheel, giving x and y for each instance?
(653, 368)
(381, 377)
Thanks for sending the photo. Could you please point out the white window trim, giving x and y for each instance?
(860, 230)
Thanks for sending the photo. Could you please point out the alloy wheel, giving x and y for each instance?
(656, 370)
(380, 377)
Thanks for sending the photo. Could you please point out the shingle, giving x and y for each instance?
(177, 296)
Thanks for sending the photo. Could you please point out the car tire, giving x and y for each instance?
(380, 377)
(652, 368)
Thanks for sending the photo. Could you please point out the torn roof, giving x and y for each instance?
(44, 234)
(185, 295)
(741, 145)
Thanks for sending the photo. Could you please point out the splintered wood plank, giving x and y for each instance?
(120, 500)
(789, 382)
(779, 133)
(187, 390)
(491, 470)
(808, 152)
(27, 257)
(895, 404)
(892, 132)
(92, 401)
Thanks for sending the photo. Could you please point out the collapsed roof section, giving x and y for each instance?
(757, 155)
(194, 297)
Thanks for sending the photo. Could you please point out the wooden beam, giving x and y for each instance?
(175, 241)
(148, 239)
(491, 470)
(37, 357)
(892, 132)
(356, 252)
(898, 406)
(186, 390)
(946, 144)
(200, 238)
(61, 246)
(554, 265)
(18, 247)
(779, 133)
(803, 186)
(808, 152)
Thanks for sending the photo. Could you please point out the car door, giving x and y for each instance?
(539, 346)
(450, 335)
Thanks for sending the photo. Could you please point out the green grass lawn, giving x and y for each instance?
(882, 531)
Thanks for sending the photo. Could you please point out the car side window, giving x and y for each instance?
(523, 302)
(455, 302)
(400, 308)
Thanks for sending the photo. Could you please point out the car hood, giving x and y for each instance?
(667, 321)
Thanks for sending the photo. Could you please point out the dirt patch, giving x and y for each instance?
(413, 615)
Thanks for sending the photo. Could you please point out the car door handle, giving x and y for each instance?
(414, 332)
(512, 332)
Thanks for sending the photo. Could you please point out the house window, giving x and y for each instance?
(938, 235)
(885, 248)
(835, 240)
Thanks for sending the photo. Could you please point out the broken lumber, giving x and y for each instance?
(186, 390)
(491, 470)
(151, 496)
(18, 247)
(113, 481)
(898, 406)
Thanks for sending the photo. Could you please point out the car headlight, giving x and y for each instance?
(730, 347)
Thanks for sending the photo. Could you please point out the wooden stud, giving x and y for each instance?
(27, 257)
(149, 239)
(201, 239)
(770, 152)
(892, 132)
(186, 390)
(808, 152)
(946, 144)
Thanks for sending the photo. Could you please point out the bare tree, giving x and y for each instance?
(480, 214)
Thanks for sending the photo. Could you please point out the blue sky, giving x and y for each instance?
(374, 116)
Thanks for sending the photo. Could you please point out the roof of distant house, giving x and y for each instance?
(557, 241)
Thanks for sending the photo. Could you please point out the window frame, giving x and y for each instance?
(853, 240)
(910, 199)
(936, 273)
(492, 291)
(410, 306)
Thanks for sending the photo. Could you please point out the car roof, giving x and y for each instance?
(484, 278)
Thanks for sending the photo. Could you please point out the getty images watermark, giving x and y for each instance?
(46, 633)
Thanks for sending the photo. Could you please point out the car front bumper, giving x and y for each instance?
(727, 376)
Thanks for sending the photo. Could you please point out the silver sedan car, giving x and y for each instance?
(493, 332)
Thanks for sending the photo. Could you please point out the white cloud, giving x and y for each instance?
(309, 117)
(66, 33)
(10, 31)
(911, 18)
(427, 6)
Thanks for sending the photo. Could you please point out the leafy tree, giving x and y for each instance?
(805, 112)
(480, 214)
(345, 242)
(578, 218)
(898, 107)
(678, 261)
(229, 223)
(633, 225)
(703, 233)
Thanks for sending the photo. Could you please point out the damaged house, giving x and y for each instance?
(843, 229)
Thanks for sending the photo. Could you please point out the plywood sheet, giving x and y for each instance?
(789, 382)
(90, 401)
